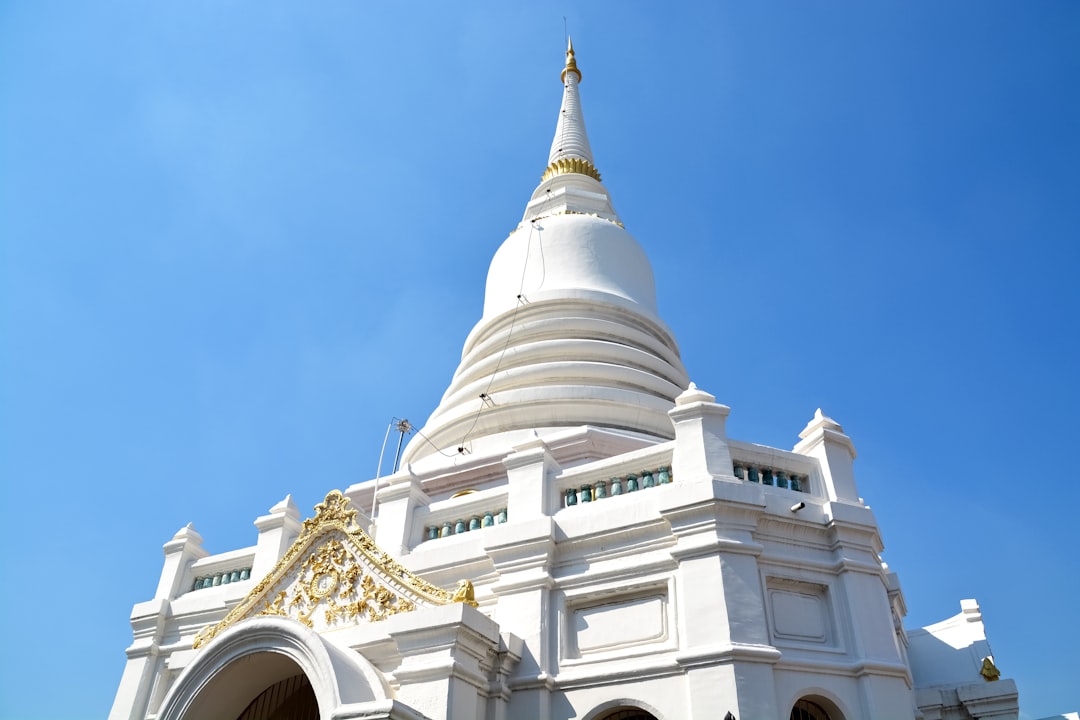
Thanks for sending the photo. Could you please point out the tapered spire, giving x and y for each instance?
(570, 151)
(570, 335)
(571, 63)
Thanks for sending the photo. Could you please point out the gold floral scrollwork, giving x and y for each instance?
(324, 583)
(334, 508)
(330, 581)
(335, 568)
(276, 607)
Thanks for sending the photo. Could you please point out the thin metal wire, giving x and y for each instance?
(509, 333)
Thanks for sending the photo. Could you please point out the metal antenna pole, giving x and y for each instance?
(404, 428)
(378, 474)
(378, 470)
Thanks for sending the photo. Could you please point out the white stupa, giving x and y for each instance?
(572, 535)
(570, 334)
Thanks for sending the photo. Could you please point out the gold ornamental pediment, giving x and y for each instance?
(334, 575)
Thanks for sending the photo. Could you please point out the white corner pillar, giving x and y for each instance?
(726, 649)
(530, 470)
(184, 549)
(498, 706)
(148, 625)
(701, 449)
(522, 553)
(447, 658)
(396, 502)
(277, 531)
(824, 439)
(143, 660)
(862, 586)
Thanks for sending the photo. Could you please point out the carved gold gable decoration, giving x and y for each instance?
(335, 575)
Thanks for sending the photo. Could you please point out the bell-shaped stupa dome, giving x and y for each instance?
(570, 334)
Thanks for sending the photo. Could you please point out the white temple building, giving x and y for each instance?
(572, 535)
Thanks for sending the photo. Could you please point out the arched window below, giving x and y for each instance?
(627, 713)
(807, 710)
(290, 699)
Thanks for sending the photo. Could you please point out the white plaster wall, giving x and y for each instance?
(659, 597)
(951, 651)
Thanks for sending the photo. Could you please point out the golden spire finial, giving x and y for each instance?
(571, 64)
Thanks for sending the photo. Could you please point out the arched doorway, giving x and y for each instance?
(627, 713)
(253, 687)
(290, 699)
(266, 667)
(815, 708)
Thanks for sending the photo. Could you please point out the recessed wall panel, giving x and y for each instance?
(611, 625)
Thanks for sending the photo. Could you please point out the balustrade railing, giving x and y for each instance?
(758, 473)
(616, 486)
(463, 525)
(223, 577)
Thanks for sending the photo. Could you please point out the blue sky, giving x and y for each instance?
(236, 238)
